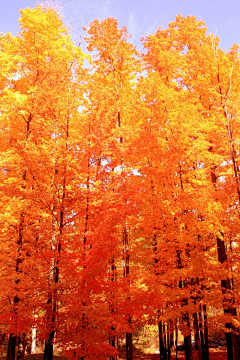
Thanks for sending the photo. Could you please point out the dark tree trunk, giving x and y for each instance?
(113, 277)
(168, 342)
(236, 346)
(206, 349)
(232, 340)
(48, 350)
(21, 347)
(201, 333)
(229, 307)
(11, 347)
(171, 333)
(197, 337)
(188, 347)
(129, 346)
(163, 353)
(11, 351)
(176, 340)
(187, 339)
(112, 341)
(126, 258)
(52, 301)
(203, 327)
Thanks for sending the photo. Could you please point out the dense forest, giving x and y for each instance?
(120, 188)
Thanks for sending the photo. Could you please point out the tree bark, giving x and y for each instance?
(48, 350)
(163, 353)
(176, 340)
(52, 300)
(232, 340)
(187, 339)
(21, 347)
(229, 307)
(113, 277)
(197, 337)
(126, 258)
(206, 348)
(11, 347)
(129, 346)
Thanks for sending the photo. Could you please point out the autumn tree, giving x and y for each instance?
(111, 110)
(41, 122)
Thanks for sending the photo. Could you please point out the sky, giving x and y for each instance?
(141, 17)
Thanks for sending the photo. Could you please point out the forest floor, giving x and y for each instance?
(219, 353)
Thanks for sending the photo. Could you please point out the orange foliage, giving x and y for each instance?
(140, 146)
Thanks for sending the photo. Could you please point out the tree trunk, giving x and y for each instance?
(129, 346)
(233, 347)
(48, 350)
(187, 339)
(206, 352)
(21, 347)
(201, 333)
(229, 307)
(185, 318)
(12, 338)
(188, 347)
(176, 340)
(168, 342)
(113, 277)
(126, 258)
(232, 340)
(163, 353)
(57, 248)
(197, 337)
(11, 347)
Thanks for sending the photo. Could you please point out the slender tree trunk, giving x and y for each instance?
(187, 339)
(21, 347)
(197, 337)
(48, 350)
(129, 346)
(201, 333)
(11, 347)
(185, 318)
(86, 227)
(168, 341)
(113, 275)
(176, 340)
(229, 307)
(52, 304)
(52, 300)
(162, 348)
(232, 334)
(206, 350)
(163, 353)
(126, 256)
(13, 339)
(171, 329)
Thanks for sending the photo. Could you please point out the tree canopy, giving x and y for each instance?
(119, 186)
